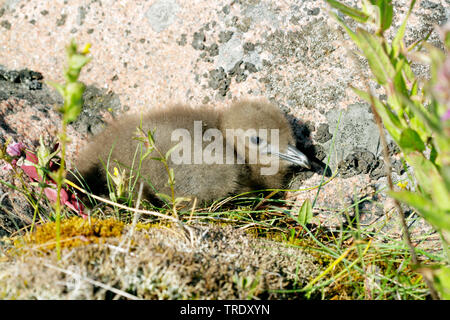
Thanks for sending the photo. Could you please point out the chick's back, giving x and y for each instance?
(118, 143)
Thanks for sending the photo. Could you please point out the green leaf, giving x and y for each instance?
(146, 154)
(150, 137)
(168, 153)
(410, 141)
(441, 278)
(181, 199)
(438, 218)
(346, 28)
(399, 81)
(72, 114)
(349, 11)
(414, 88)
(433, 154)
(417, 124)
(423, 114)
(113, 197)
(78, 61)
(397, 43)
(445, 174)
(171, 180)
(386, 11)
(447, 39)
(379, 61)
(73, 101)
(423, 170)
(57, 86)
(305, 213)
(164, 197)
(441, 195)
(410, 76)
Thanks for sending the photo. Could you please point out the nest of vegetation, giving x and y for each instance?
(106, 259)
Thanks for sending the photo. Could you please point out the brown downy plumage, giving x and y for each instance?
(117, 146)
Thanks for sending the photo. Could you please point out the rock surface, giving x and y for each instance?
(148, 54)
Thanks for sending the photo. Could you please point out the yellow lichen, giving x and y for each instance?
(75, 231)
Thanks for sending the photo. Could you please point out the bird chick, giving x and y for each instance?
(214, 153)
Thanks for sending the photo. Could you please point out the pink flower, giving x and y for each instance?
(15, 149)
(446, 116)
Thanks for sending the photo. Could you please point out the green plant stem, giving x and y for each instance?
(36, 209)
(60, 179)
(166, 166)
(171, 182)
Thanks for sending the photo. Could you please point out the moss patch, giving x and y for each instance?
(216, 263)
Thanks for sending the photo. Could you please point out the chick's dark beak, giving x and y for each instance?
(295, 156)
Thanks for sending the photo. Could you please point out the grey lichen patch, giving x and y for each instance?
(96, 101)
(361, 161)
(237, 70)
(310, 45)
(6, 24)
(226, 9)
(248, 46)
(260, 11)
(313, 12)
(162, 14)
(81, 15)
(206, 100)
(164, 265)
(250, 67)
(428, 4)
(198, 40)
(62, 20)
(182, 40)
(218, 80)
(213, 49)
(225, 36)
(295, 57)
(323, 134)
(356, 130)
(294, 20)
(244, 25)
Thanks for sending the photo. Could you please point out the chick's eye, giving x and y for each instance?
(256, 140)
